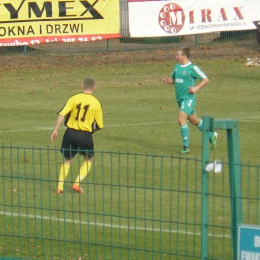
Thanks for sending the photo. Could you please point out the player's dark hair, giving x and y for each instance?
(186, 51)
(89, 83)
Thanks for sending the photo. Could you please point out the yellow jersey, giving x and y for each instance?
(83, 112)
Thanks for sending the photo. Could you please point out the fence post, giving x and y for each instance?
(197, 39)
(25, 49)
(108, 45)
(205, 188)
(235, 177)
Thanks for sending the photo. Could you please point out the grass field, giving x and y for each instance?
(140, 116)
(140, 113)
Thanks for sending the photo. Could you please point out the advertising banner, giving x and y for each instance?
(25, 22)
(183, 17)
(248, 243)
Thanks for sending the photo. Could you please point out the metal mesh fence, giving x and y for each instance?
(136, 206)
(132, 44)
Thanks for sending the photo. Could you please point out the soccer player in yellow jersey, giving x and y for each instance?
(83, 116)
(184, 77)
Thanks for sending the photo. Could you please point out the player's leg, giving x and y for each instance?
(186, 109)
(199, 123)
(194, 119)
(84, 170)
(64, 170)
(86, 146)
(182, 120)
(68, 151)
(212, 135)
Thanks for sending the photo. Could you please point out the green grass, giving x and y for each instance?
(140, 113)
(126, 186)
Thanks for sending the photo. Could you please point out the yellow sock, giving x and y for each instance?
(84, 169)
(64, 170)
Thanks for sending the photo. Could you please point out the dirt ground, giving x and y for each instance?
(45, 60)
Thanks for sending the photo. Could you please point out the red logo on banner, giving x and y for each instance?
(171, 18)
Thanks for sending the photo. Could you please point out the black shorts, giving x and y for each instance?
(76, 141)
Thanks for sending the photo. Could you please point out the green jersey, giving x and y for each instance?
(185, 76)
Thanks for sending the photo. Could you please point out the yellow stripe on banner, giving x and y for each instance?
(32, 19)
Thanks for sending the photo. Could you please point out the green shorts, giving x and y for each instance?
(187, 106)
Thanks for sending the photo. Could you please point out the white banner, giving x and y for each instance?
(182, 17)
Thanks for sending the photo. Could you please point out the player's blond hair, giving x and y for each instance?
(89, 83)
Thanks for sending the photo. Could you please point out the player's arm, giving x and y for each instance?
(168, 81)
(197, 73)
(95, 127)
(98, 124)
(56, 128)
(202, 84)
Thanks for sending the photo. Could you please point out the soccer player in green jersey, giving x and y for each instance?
(184, 77)
(83, 113)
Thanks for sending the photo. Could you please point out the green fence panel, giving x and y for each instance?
(132, 44)
(136, 206)
(233, 145)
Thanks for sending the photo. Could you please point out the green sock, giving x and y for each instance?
(185, 135)
(200, 127)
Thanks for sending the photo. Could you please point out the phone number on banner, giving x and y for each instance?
(67, 39)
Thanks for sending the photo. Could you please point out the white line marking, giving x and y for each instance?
(52, 127)
(47, 128)
(106, 225)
